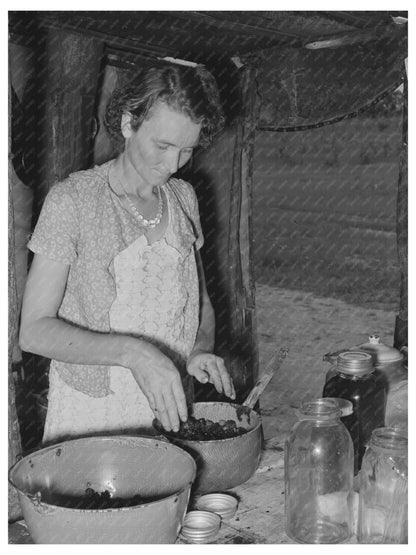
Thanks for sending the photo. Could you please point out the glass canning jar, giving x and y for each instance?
(355, 379)
(319, 468)
(382, 508)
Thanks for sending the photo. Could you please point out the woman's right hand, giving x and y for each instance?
(161, 383)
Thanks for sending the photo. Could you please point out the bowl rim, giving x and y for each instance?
(55, 446)
(208, 441)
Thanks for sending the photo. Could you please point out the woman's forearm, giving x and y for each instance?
(155, 373)
(56, 339)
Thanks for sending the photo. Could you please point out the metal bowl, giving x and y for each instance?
(51, 480)
(223, 463)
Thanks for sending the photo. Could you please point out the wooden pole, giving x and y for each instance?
(69, 72)
(14, 441)
(243, 332)
(401, 329)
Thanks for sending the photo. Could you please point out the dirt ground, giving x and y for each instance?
(309, 326)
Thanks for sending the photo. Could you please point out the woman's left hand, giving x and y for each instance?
(207, 367)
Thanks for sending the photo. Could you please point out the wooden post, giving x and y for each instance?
(69, 71)
(14, 442)
(401, 329)
(222, 177)
(243, 332)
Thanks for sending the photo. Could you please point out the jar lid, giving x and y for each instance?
(357, 363)
(222, 504)
(200, 526)
(381, 353)
(344, 405)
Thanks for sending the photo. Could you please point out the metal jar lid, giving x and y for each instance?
(200, 526)
(381, 353)
(357, 363)
(222, 504)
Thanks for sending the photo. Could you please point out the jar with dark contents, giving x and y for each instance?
(355, 380)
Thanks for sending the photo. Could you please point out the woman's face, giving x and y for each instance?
(163, 143)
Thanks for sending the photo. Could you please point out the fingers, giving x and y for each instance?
(227, 382)
(208, 367)
(169, 406)
(151, 400)
(161, 382)
(153, 404)
(161, 413)
(201, 375)
(157, 405)
(220, 377)
(180, 400)
(214, 374)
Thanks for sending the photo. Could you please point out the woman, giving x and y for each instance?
(116, 295)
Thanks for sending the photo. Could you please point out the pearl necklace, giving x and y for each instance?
(144, 221)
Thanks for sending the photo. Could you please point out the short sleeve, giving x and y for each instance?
(56, 232)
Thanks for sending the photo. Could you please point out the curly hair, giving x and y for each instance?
(190, 90)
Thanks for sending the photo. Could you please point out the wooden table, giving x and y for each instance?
(260, 513)
(261, 502)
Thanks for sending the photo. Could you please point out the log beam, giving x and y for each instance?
(401, 329)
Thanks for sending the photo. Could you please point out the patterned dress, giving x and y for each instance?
(155, 296)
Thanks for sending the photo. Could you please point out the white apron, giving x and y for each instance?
(152, 283)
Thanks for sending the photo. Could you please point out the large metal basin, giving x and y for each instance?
(223, 463)
(125, 466)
